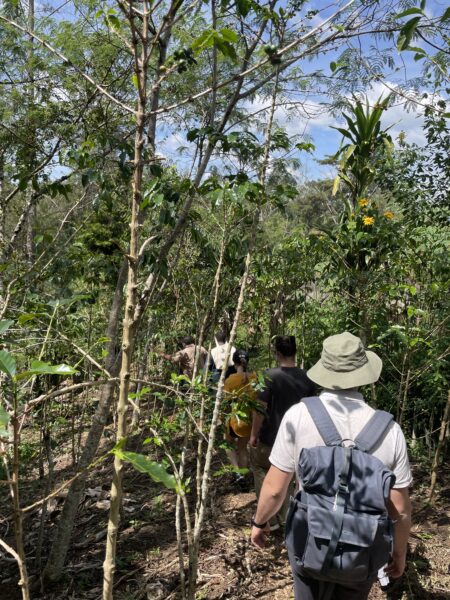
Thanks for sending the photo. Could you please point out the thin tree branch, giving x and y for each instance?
(67, 61)
(249, 70)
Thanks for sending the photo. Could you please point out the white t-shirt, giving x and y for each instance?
(349, 413)
(218, 353)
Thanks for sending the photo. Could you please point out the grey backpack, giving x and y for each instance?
(337, 527)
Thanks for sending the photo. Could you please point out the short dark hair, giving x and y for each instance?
(221, 337)
(285, 345)
(187, 340)
(241, 357)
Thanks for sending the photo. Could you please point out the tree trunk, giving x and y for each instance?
(129, 322)
(60, 546)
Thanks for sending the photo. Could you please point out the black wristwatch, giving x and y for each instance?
(258, 525)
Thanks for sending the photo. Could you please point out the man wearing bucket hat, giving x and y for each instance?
(343, 367)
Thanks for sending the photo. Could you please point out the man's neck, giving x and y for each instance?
(286, 361)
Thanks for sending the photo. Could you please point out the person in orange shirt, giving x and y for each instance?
(240, 394)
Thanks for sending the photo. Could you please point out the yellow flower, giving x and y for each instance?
(368, 220)
(389, 214)
(363, 202)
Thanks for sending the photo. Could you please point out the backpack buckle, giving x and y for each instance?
(351, 445)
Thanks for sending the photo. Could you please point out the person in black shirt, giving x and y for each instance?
(284, 386)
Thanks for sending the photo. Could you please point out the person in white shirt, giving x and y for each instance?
(343, 367)
(218, 355)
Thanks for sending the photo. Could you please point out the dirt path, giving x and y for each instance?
(147, 567)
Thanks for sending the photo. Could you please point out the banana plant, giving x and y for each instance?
(363, 140)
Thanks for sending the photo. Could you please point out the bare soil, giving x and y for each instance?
(147, 564)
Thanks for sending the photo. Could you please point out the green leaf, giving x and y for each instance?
(143, 464)
(156, 170)
(145, 390)
(410, 11)
(113, 22)
(243, 7)
(67, 301)
(192, 134)
(446, 15)
(348, 153)
(4, 420)
(7, 363)
(424, 536)
(23, 184)
(28, 317)
(229, 35)
(343, 131)
(225, 48)
(416, 49)
(411, 311)
(5, 325)
(406, 33)
(205, 40)
(135, 81)
(42, 368)
(351, 126)
(306, 146)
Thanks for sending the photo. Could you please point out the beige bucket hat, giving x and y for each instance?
(345, 363)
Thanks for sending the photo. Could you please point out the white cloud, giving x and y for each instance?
(399, 116)
(314, 118)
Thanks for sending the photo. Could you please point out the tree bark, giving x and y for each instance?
(129, 322)
(60, 546)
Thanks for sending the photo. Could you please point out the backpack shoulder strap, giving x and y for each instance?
(373, 431)
(322, 421)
